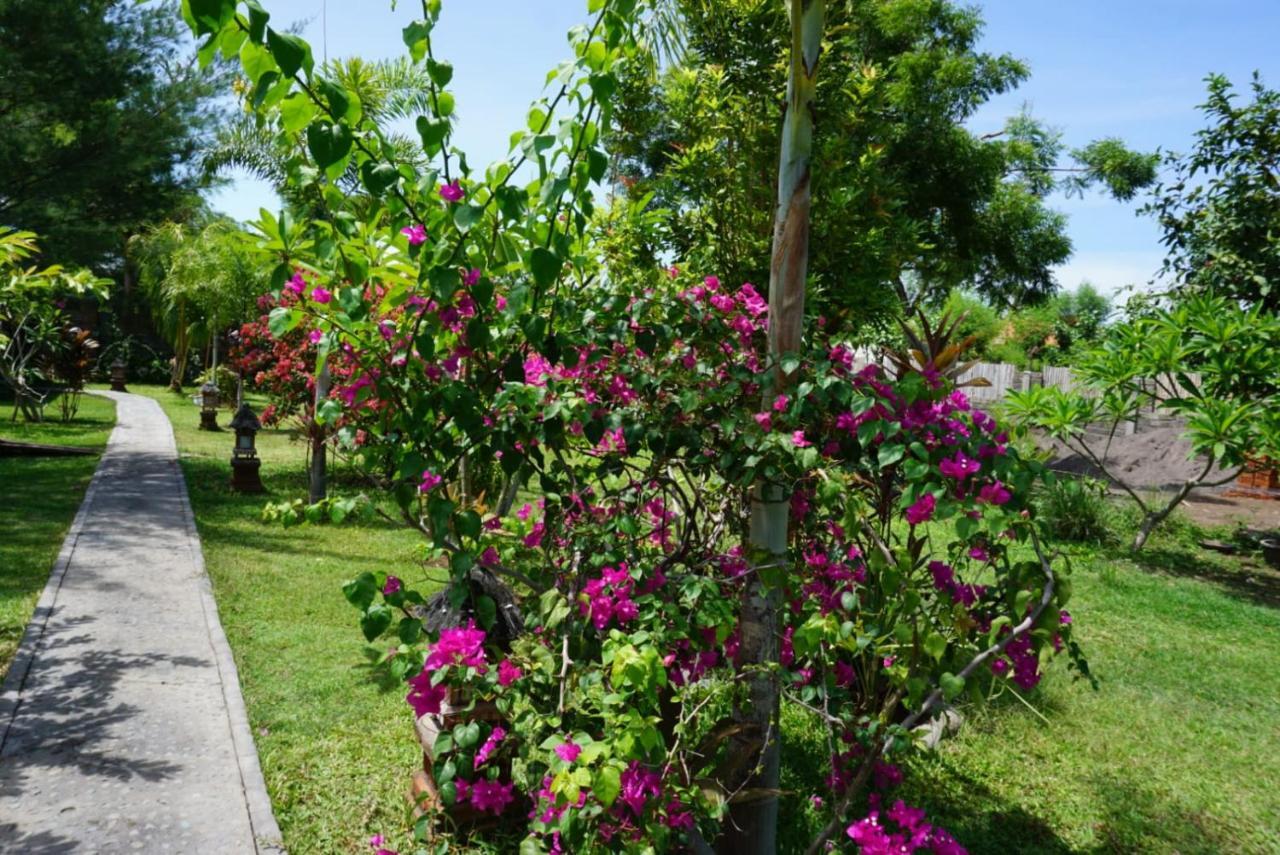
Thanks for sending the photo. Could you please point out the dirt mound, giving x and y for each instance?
(1157, 458)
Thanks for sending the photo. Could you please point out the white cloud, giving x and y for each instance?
(1109, 272)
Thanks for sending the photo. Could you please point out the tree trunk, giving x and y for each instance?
(317, 483)
(753, 823)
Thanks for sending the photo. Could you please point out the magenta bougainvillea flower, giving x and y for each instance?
(430, 481)
(568, 751)
(471, 277)
(508, 673)
(321, 295)
(491, 796)
(451, 192)
(392, 585)
(424, 697)
(459, 646)
(416, 233)
(959, 467)
(297, 285)
(994, 494)
(490, 745)
(922, 510)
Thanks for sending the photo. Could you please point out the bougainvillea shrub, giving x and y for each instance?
(594, 598)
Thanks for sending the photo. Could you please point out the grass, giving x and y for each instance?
(335, 741)
(1176, 752)
(37, 504)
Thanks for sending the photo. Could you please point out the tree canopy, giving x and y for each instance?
(908, 200)
(104, 110)
(1220, 210)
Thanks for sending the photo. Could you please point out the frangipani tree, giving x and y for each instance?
(1203, 358)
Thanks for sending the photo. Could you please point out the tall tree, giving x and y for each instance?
(754, 826)
(1220, 211)
(905, 194)
(102, 113)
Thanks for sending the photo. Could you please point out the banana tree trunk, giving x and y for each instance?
(753, 825)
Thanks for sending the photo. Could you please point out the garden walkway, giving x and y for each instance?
(121, 723)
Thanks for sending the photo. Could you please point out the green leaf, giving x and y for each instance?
(410, 630)
(375, 621)
(377, 177)
(282, 320)
(361, 591)
(258, 18)
(486, 611)
(211, 16)
(432, 132)
(328, 142)
(935, 645)
(466, 216)
(890, 454)
(467, 524)
(296, 112)
(338, 98)
(415, 39)
(444, 104)
(329, 411)
(951, 685)
(290, 52)
(545, 266)
(441, 72)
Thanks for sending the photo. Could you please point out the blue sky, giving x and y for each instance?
(1126, 68)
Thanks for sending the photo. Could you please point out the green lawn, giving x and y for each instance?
(1179, 751)
(39, 499)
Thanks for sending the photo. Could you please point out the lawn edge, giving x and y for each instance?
(20, 665)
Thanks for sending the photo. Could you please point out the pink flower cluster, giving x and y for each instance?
(944, 579)
(608, 597)
(911, 832)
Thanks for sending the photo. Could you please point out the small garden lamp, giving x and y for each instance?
(117, 375)
(244, 456)
(209, 406)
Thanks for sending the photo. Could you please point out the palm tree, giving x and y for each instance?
(199, 279)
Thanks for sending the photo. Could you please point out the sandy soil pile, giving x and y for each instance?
(1154, 459)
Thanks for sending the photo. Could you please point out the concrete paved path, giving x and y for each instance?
(122, 728)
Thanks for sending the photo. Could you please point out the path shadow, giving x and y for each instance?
(61, 722)
(37, 843)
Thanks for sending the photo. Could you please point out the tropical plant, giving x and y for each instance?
(33, 325)
(104, 109)
(1202, 358)
(199, 279)
(724, 511)
(909, 201)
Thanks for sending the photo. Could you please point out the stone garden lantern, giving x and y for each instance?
(209, 406)
(245, 462)
(117, 375)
